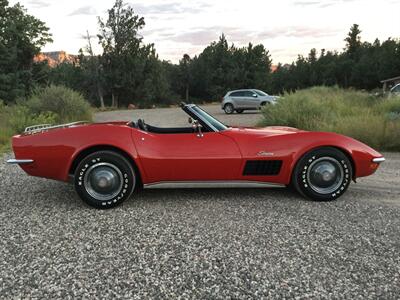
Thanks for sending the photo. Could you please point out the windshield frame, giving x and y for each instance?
(206, 119)
(261, 93)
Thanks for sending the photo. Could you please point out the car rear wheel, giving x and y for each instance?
(323, 174)
(104, 179)
(239, 111)
(229, 109)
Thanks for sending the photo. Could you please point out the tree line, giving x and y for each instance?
(130, 71)
(361, 65)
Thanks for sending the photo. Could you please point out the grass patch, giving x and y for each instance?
(374, 121)
(51, 105)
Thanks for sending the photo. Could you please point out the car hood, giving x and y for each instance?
(269, 97)
(266, 131)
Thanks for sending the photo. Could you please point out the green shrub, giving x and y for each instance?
(5, 131)
(51, 105)
(66, 104)
(368, 128)
(14, 119)
(391, 105)
(20, 117)
(372, 120)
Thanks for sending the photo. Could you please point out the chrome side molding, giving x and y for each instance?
(378, 160)
(14, 161)
(213, 184)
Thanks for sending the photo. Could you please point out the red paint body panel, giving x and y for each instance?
(290, 144)
(180, 157)
(54, 151)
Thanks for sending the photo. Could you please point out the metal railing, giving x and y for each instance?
(45, 127)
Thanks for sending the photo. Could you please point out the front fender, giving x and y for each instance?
(360, 154)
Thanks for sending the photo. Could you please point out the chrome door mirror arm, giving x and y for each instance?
(197, 128)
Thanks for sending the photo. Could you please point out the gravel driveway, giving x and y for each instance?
(200, 243)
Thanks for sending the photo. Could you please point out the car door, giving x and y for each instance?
(252, 100)
(238, 99)
(187, 156)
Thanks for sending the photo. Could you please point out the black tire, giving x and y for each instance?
(228, 108)
(239, 111)
(105, 179)
(262, 105)
(323, 174)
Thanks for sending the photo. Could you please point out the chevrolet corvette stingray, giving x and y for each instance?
(108, 161)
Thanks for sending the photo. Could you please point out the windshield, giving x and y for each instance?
(260, 93)
(209, 119)
(396, 89)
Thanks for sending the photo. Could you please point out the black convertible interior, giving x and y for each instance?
(196, 116)
(140, 124)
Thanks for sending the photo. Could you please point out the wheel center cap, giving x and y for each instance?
(103, 182)
(327, 176)
(104, 179)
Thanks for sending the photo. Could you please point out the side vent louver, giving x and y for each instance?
(262, 167)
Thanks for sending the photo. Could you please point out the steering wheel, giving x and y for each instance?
(142, 125)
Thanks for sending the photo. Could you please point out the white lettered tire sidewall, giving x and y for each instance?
(109, 157)
(300, 178)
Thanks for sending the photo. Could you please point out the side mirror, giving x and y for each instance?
(197, 128)
(255, 96)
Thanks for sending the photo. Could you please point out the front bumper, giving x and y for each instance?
(375, 163)
(14, 161)
(378, 160)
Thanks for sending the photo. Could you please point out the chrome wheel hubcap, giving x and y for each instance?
(229, 108)
(103, 181)
(325, 175)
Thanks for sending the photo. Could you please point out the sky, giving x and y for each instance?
(285, 27)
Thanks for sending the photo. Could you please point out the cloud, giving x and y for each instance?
(297, 32)
(158, 31)
(168, 8)
(84, 10)
(204, 36)
(199, 37)
(38, 3)
(306, 3)
(320, 3)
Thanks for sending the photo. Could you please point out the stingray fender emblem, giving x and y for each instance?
(265, 153)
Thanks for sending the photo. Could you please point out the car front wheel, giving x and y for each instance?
(229, 109)
(323, 174)
(104, 179)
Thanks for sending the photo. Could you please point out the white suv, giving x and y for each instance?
(395, 90)
(241, 100)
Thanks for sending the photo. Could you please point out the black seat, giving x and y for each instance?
(142, 125)
(132, 124)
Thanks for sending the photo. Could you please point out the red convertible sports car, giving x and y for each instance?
(108, 161)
